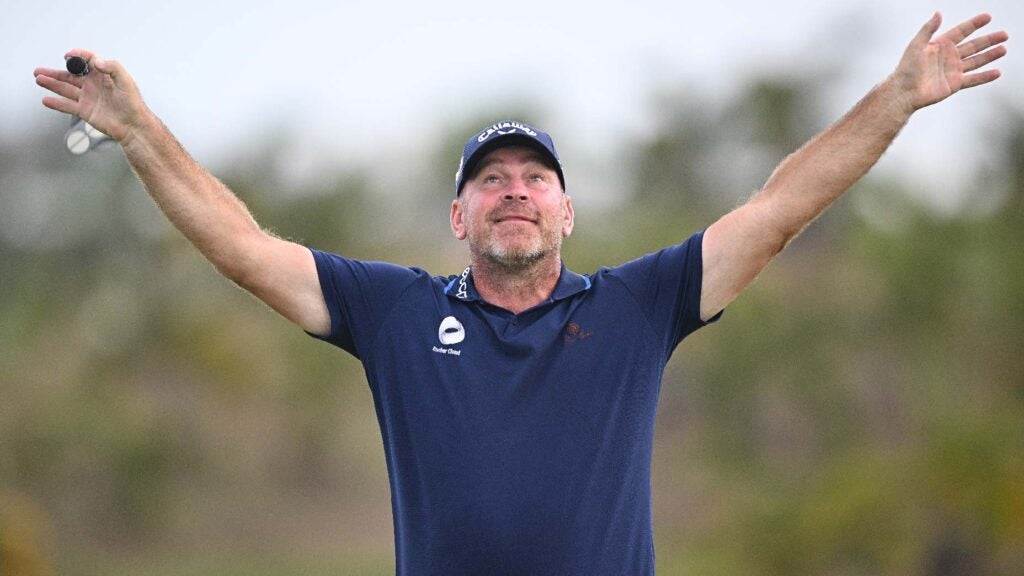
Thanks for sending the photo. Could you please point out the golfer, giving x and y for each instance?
(516, 398)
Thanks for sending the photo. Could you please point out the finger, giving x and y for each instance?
(979, 44)
(61, 105)
(975, 62)
(972, 80)
(967, 27)
(82, 53)
(58, 87)
(61, 75)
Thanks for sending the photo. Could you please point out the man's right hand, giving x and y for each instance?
(107, 97)
(281, 273)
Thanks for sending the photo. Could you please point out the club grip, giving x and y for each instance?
(77, 65)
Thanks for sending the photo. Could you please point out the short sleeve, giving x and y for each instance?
(358, 296)
(667, 286)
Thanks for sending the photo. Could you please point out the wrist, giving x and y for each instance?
(899, 99)
(146, 127)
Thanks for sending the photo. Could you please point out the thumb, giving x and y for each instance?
(928, 30)
(117, 72)
(110, 67)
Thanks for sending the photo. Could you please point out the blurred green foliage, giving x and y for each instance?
(860, 410)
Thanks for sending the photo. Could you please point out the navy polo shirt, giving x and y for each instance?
(517, 443)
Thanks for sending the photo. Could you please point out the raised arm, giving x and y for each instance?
(740, 244)
(280, 273)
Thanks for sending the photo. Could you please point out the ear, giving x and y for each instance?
(569, 216)
(458, 221)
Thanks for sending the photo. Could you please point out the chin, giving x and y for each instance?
(515, 250)
(519, 256)
(514, 258)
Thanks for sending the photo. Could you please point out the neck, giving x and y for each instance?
(516, 289)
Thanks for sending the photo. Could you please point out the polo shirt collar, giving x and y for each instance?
(569, 283)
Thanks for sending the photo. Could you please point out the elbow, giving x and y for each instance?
(780, 225)
(244, 268)
(240, 275)
(238, 260)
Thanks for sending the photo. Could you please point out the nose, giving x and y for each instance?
(517, 191)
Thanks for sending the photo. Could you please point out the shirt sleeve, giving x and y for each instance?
(667, 285)
(358, 296)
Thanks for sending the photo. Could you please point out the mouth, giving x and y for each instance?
(514, 218)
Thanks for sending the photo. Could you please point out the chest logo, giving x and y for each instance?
(575, 333)
(451, 331)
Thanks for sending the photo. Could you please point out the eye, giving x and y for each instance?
(490, 179)
(540, 177)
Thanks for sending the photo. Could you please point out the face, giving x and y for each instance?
(513, 210)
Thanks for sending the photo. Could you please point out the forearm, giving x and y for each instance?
(740, 244)
(813, 177)
(198, 204)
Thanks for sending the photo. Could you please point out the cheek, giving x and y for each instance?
(472, 218)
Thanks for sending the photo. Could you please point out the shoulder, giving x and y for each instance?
(340, 274)
(675, 258)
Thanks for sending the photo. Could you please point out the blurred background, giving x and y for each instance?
(860, 410)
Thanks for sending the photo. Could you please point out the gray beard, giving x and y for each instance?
(514, 259)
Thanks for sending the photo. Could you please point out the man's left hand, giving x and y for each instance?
(932, 70)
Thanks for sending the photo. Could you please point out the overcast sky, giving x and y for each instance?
(359, 78)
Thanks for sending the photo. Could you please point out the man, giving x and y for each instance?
(516, 401)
